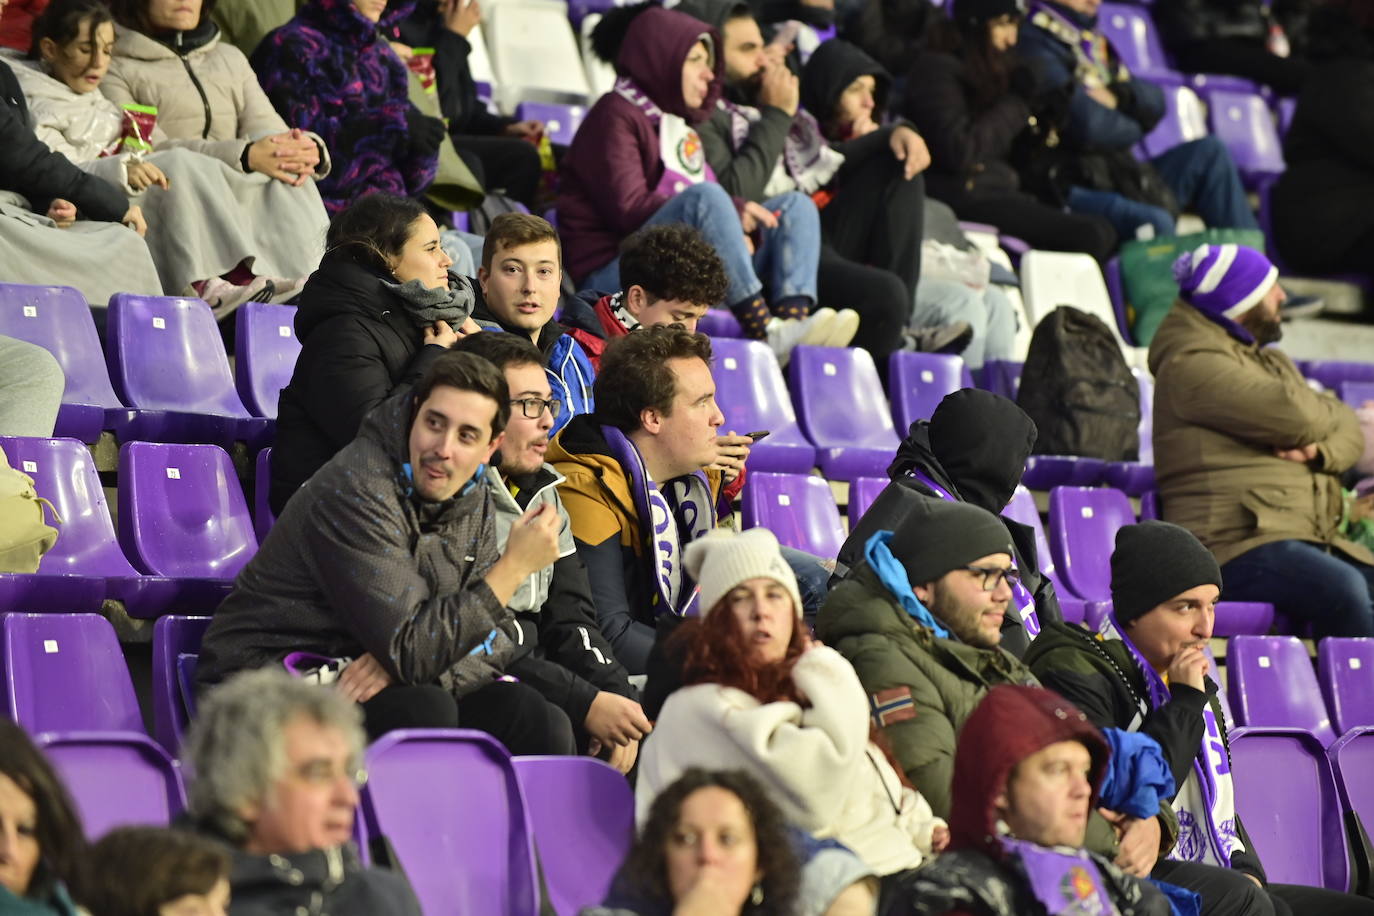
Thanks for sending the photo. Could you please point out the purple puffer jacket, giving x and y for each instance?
(610, 174)
(330, 70)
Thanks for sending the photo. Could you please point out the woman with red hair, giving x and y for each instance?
(759, 694)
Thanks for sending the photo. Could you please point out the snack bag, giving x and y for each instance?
(421, 63)
(136, 133)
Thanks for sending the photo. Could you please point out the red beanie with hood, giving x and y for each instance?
(1012, 723)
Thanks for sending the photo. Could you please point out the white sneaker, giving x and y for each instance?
(224, 297)
(843, 328)
(818, 328)
(784, 334)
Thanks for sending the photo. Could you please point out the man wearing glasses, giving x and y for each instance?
(554, 643)
(920, 618)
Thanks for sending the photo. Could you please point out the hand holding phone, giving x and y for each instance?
(760, 434)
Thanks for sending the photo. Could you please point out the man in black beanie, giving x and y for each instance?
(973, 449)
(919, 618)
(1146, 671)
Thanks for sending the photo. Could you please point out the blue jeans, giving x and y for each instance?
(813, 580)
(990, 314)
(784, 263)
(1125, 215)
(1203, 177)
(1305, 582)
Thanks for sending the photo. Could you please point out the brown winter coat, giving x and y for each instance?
(1222, 408)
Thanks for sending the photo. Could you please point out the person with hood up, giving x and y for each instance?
(1028, 771)
(759, 141)
(384, 576)
(761, 695)
(980, 109)
(168, 55)
(637, 160)
(973, 449)
(1146, 671)
(330, 71)
(847, 90)
(383, 306)
(205, 219)
(1247, 456)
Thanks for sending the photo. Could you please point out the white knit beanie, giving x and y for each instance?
(723, 559)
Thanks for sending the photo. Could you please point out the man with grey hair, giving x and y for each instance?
(277, 763)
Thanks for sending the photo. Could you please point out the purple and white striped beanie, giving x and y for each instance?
(1224, 280)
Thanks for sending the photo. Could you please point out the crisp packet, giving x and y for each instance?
(136, 133)
(421, 63)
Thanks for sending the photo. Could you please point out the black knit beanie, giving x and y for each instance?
(1153, 562)
(937, 536)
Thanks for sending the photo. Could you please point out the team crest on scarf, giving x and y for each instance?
(690, 153)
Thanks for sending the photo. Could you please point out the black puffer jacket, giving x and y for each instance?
(984, 440)
(29, 168)
(357, 564)
(358, 346)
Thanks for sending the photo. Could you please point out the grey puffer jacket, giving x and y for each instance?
(326, 882)
(207, 97)
(357, 564)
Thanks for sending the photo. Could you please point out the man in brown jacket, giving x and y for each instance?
(1248, 456)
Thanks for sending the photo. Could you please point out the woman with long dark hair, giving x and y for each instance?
(44, 849)
(978, 110)
(762, 695)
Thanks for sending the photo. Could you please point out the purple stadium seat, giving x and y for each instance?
(920, 381)
(1333, 373)
(1022, 509)
(427, 791)
(149, 789)
(165, 356)
(1045, 472)
(1298, 832)
(840, 402)
(66, 673)
(1002, 376)
(176, 643)
(1345, 668)
(1284, 109)
(87, 564)
(583, 815)
(1244, 123)
(71, 576)
(1135, 477)
(753, 397)
(1271, 683)
(560, 121)
(1132, 34)
(799, 509)
(263, 517)
(182, 513)
(1149, 505)
(58, 319)
(1184, 120)
(1111, 273)
(720, 323)
(1356, 394)
(1352, 757)
(1083, 526)
(862, 492)
(265, 354)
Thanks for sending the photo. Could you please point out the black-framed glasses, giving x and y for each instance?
(993, 576)
(533, 408)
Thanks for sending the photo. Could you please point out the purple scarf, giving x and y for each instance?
(679, 146)
(1065, 881)
(1205, 803)
(675, 519)
(1025, 601)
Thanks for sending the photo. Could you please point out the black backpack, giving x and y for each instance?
(1077, 388)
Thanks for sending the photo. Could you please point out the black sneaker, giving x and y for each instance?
(947, 338)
